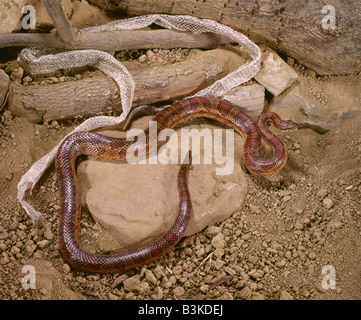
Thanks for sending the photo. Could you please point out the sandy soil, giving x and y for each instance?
(291, 226)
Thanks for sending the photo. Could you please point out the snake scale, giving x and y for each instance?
(89, 143)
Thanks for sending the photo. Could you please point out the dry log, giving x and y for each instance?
(67, 37)
(117, 40)
(296, 28)
(64, 29)
(96, 94)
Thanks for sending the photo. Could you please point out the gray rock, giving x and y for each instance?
(275, 74)
(306, 113)
(250, 99)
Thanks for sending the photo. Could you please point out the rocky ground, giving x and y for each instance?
(290, 227)
(293, 229)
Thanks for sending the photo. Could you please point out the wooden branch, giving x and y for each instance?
(93, 95)
(67, 37)
(67, 33)
(293, 27)
(117, 40)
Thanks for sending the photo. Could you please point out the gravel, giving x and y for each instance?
(291, 226)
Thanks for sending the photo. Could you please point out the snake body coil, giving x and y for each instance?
(88, 143)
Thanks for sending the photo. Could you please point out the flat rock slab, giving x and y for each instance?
(321, 118)
(138, 203)
(250, 99)
(275, 74)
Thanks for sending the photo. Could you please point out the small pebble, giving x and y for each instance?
(322, 193)
(158, 293)
(14, 250)
(178, 291)
(327, 203)
(131, 283)
(245, 293)
(253, 259)
(284, 295)
(112, 296)
(142, 287)
(42, 243)
(284, 193)
(226, 296)
(213, 230)
(142, 58)
(298, 225)
(218, 241)
(257, 296)
(48, 234)
(66, 268)
(149, 275)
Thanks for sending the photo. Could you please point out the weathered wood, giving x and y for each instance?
(292, 27)
(117, 40)
(64, 29)
(96, 94)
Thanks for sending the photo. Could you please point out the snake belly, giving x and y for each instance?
(89, 143)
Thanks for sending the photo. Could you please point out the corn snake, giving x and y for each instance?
(89, 143)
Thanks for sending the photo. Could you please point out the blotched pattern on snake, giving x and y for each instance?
(89, 143)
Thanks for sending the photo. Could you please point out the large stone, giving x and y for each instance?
(275, 74)
(308, 113)
(138, 203)
(10, 15)
(250, 99)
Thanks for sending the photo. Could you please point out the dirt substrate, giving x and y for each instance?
(291, 226)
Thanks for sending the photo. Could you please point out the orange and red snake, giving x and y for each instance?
(89, 143)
